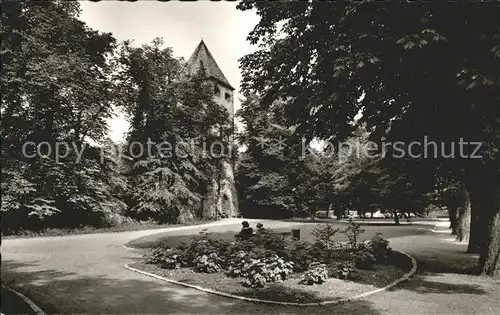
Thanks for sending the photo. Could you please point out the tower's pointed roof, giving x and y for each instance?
(202, 56)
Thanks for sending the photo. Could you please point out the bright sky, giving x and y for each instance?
(181, 25)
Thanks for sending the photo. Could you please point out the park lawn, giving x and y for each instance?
(172, 239)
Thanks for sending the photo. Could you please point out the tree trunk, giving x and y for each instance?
(485, 198)
(452, 213)
(396, 218)
(464, 218)
(489, 262)
(474, 238)
(476, 231)
(491, 265)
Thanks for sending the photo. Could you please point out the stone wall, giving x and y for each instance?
(222, 199)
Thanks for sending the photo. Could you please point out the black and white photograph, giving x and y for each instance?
(250, 157)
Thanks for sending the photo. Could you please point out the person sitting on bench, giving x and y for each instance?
(246, 231)
(260, 229)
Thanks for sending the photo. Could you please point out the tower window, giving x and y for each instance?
(227, 96)
(216, 90)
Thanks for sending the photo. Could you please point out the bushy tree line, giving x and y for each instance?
(60, 83)
(297, 180)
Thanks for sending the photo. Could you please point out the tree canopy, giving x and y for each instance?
(61, 82)
(411, 69)
(56, 88)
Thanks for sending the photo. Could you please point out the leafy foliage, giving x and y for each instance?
(324, 234)
(380, 248)
(207, 263)
(236, 264)
(364, 259)
(343, 270)
(300, 254)
(56, 89)
(265, 169)
(316, 274)
(258, 272)
(353, 232)
(273, 241)
(168, 258)
(168, 185)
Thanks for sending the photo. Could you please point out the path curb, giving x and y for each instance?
(405, 277)
(128, 248)
(30, 303)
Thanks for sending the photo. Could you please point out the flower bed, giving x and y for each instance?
(274, 267)
(289, 290)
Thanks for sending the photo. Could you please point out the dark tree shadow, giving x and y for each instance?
(423, 285)
(59, 292)
(13, 304)
(464, 265)
(443, 269)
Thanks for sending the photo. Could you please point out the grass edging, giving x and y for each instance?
(35, 308)
(127, 227)
(242, 298)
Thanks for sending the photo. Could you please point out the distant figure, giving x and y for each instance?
(246, 231)
(260, 229)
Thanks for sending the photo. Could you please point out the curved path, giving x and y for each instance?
(84, 274)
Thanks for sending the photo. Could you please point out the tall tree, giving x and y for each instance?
(57, 91)
(415, 67)
(264, 170)
(175, 120)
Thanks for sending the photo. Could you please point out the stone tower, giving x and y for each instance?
(221, 200)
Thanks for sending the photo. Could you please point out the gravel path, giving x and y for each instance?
(84, 274)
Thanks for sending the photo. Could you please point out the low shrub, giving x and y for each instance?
(192, 254)
(299, 253)
(203, 244)
(175, 260)
(158, 255)
(343, 270)
(258, 272)
(364, 259)
(236, 264)
(353, 232)
(272, 241)
(207, 263)
(361, 246)
(319, 252)
(324, 233)
(234, 248)
(182, 246)
(341, 246)
(317, 274)
(221, 247)
(380, 248)
(168, 258)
